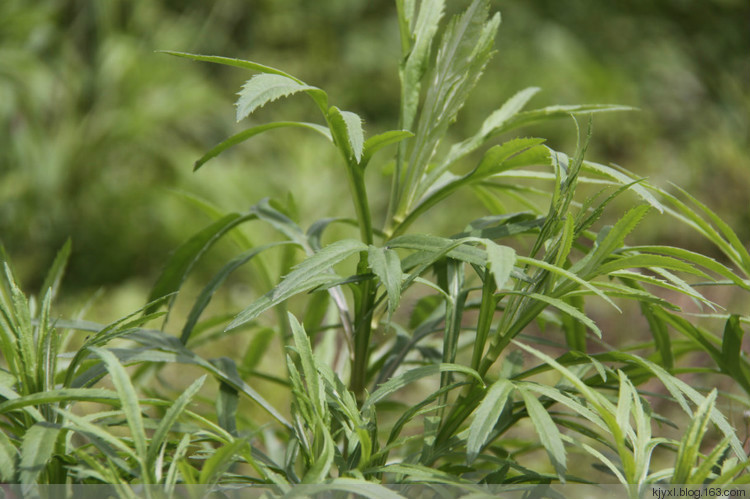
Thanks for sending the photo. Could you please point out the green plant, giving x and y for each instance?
(486, 301)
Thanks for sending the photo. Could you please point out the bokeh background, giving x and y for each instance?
(98, 131)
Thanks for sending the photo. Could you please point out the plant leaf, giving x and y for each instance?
(37, 448)
(309, 274)
(500, 260)
(182, 261)
(549, 434)
(252, 132)
(386, 265)
(486, 415)
(8, 459)
(377, 142)
(687, 453)
(396, 383)
(264, 88)
(129, 399)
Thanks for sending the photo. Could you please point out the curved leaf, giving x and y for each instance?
(486, 415)
(252, 132)
(264, 88)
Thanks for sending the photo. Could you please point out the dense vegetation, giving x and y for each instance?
(348, 331)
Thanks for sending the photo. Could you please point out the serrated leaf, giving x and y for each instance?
(564, 307)
(500, 260)
(486, 415)
(386, 265)
(307, 359)
(252, 132)
(346, 128)
(264, 88)
(549, 434)
(100, 395)
(8, 459)
(305, 276)
(227, 61)
(37, 447)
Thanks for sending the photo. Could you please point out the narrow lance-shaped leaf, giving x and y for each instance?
(252, 132)
(377, 142)
(264, 88)
(312, 272)
(486, 416)
(687, 453)
(548, 433)
(55, 273)
(8, 459)
(182, 261)
(400, 381)
(37, 448)
(129, 399)
(171, 416)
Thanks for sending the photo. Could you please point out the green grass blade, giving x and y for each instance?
(37, 448)
(182, 261)
(170, 418)
(130, 402)
(252, 132)
(56, 271)
(549, 434)
(227, 61)
(486, 415)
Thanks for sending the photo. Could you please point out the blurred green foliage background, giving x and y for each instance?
(98, 130)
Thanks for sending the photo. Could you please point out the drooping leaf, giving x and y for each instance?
(486, 415)
(252, 132)
(264, 88)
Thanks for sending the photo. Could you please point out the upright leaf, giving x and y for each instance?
(37, 448)
(386, 265)
(548, 433)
